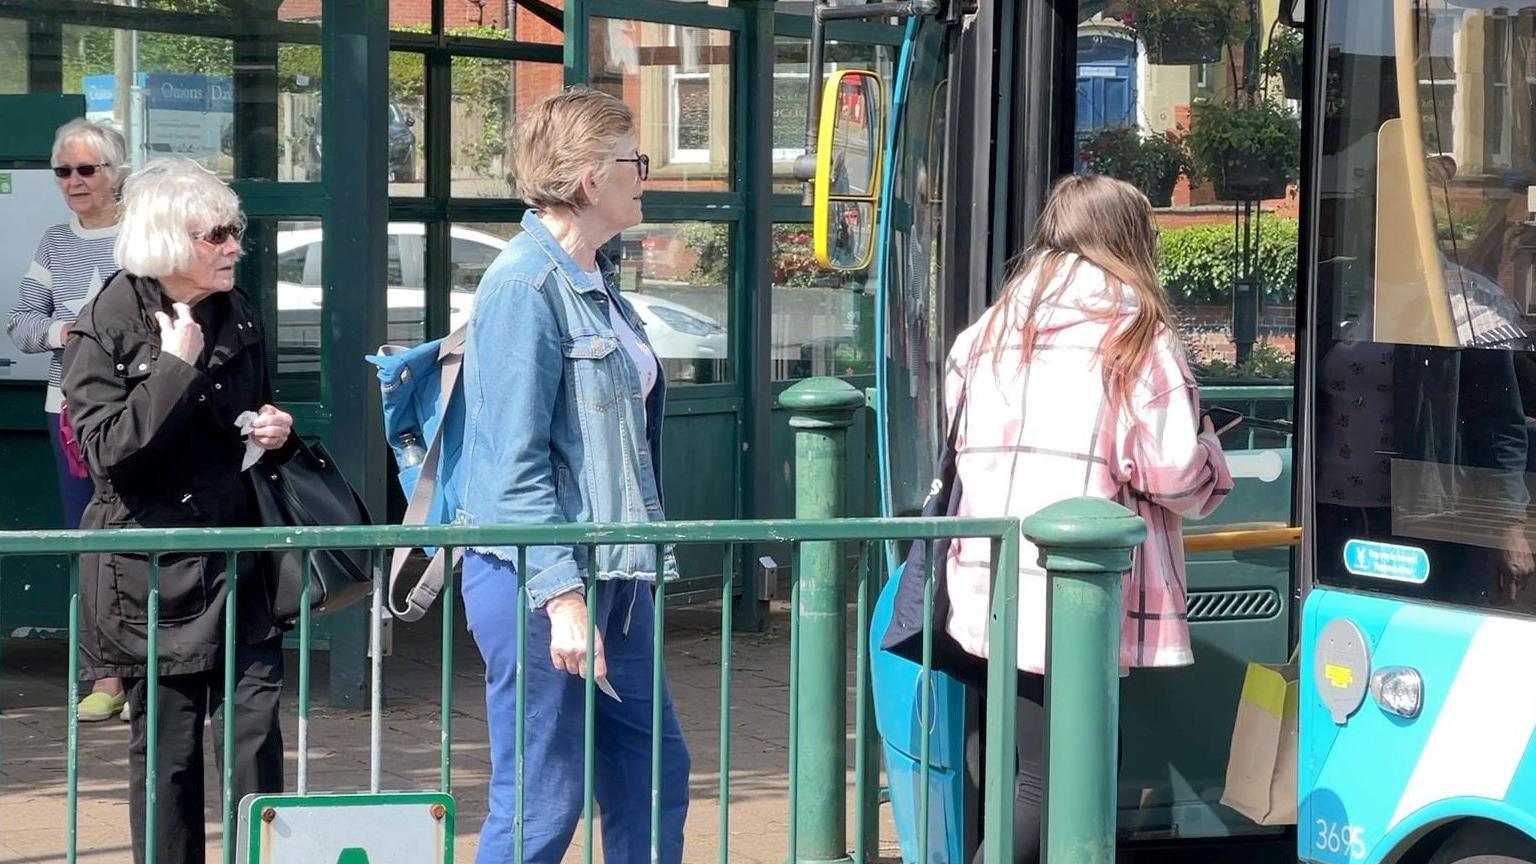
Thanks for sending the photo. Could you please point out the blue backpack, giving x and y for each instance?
(424, 424)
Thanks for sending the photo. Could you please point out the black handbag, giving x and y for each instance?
(308, 489)
(904, 635)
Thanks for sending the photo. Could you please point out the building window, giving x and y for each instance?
(690, 105)
(791, 93)
(1499, 54)
(1437, 82)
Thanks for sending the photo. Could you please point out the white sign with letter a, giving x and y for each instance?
(386, 828)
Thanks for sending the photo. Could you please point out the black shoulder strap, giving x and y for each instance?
(954, 425)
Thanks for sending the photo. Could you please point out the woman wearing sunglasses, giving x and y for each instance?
(160, 368)
(72, 261)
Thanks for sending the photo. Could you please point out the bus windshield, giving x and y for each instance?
(1423, 372)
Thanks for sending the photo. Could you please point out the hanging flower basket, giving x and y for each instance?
(1150, 162)
(1238, 181)
(1283, 58)
(1290, 77)
(1176, 50)
(1182, 32)
(1248, 152)
(1160, 192)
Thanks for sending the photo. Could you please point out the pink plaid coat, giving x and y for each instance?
(1039, 433)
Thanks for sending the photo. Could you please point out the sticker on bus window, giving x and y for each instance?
(1375, 560)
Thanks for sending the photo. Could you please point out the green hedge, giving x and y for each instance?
(1198, 266)
(1200, 262)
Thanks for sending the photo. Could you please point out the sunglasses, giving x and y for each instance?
(219, 234)
(642, 165)
(63, 171)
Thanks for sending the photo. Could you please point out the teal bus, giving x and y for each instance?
(1349, 242)
(981, 112)
(1415, 721)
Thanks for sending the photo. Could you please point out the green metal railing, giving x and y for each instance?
(1085, 546)
(868, 534)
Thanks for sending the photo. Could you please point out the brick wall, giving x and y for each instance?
(530, 28)
(456, 13)
(1279, 319)
(299, 10)
(411, 12)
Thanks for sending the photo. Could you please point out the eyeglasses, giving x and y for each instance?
(219, 234)
(63, 171)
(642, 165)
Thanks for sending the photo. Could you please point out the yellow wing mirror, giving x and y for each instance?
(850, 145)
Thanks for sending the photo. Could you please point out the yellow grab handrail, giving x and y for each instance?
(1251, 535)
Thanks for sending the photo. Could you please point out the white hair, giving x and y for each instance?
(104, 139)
(165, 204)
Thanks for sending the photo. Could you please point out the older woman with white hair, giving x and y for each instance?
(158, 368)
(73, 259)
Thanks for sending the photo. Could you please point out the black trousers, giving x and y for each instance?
(1029, 773)
(186, 703)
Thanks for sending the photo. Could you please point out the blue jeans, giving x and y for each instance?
(74, 492)
(552, 764)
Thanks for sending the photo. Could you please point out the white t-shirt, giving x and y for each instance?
(639, 354)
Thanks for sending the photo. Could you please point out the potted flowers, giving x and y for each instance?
(1182, 32)
(1283, 58)
(1152, 162)
(1248, 151)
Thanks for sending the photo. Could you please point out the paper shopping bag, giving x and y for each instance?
(1261, 770)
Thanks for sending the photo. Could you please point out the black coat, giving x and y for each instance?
(163, 450)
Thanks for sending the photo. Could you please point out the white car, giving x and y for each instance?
(694, 343)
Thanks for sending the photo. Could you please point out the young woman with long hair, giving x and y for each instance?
(1074, 383)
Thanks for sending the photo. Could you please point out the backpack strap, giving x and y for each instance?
(450, 357)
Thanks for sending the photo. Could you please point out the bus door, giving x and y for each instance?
(1416, 713)
(1240, 599)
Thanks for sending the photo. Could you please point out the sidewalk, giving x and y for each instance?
(33, 742)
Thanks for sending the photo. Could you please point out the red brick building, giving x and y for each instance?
(456, 14)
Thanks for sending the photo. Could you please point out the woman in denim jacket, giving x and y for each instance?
(563, 424)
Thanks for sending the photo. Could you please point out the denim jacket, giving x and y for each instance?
(555, 428)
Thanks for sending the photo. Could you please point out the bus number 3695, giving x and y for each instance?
(1340, 839)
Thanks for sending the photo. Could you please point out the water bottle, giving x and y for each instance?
(412, 453)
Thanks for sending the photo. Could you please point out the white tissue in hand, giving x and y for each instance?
(245, 422)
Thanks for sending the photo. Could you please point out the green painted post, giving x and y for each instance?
(1085, 545)
(821, 410)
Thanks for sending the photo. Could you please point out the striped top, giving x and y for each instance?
(71, 264)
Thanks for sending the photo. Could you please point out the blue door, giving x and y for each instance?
(1106, 84)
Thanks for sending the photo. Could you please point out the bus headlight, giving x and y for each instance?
(1398, 689)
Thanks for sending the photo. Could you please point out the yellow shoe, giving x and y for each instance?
(100, 706)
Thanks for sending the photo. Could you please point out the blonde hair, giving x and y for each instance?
(1107, 223)
(561, 139)
(104, 139)
(165, 204)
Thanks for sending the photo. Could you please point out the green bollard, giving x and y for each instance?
(1085, 546)
(821, 410)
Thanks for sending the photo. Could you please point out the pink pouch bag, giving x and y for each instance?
(77, 466)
